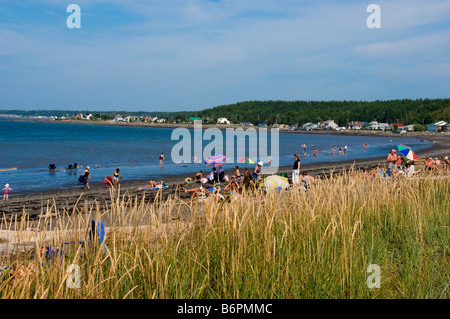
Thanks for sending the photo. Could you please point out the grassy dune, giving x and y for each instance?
(288, 245)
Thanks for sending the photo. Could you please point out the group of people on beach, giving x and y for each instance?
(437, 164)
(249, 179)
(114, 179)
(234, 186)
(398, 165)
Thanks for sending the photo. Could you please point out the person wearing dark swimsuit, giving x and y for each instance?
(116, 176)
(86, 177)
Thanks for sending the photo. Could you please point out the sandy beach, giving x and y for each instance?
(65, 199)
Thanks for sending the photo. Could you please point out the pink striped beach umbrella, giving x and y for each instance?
(216, 160)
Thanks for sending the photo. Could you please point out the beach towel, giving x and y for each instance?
(151, 188)
(97, 230)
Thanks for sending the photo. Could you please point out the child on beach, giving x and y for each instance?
(116, 176)
(6, 189)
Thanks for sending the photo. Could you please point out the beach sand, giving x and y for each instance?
(66, 199)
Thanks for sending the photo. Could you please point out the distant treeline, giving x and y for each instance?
(97, 114)
(421, 111)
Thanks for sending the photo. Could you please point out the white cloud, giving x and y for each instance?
(427, 45)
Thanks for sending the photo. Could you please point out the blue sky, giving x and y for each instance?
(189, 55)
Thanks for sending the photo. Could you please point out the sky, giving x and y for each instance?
(194, 54)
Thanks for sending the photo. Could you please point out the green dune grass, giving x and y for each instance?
(274, 245)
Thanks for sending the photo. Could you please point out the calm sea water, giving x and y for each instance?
(32, 146)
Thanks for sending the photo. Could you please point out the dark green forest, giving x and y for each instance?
(421, 111)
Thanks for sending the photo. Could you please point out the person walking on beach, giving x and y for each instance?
(161, 159)
(116, 176)
(392, 160)
(296, 169)
(85, 177)
(7, 189)
(257, 171)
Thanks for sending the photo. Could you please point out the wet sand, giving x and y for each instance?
(66, 199)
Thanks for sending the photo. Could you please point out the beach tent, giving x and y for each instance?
(276, 182)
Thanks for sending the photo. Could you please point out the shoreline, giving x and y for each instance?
(361, 132)
(65, 199)
(36, 203)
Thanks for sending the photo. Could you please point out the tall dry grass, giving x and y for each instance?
(275, 245)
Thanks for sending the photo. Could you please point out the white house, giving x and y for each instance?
(330, 125)
(355, 125)
(223, 120)
(406, 128)
(161, 120)
(374, 125)
(118, 118)
(310, 126)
